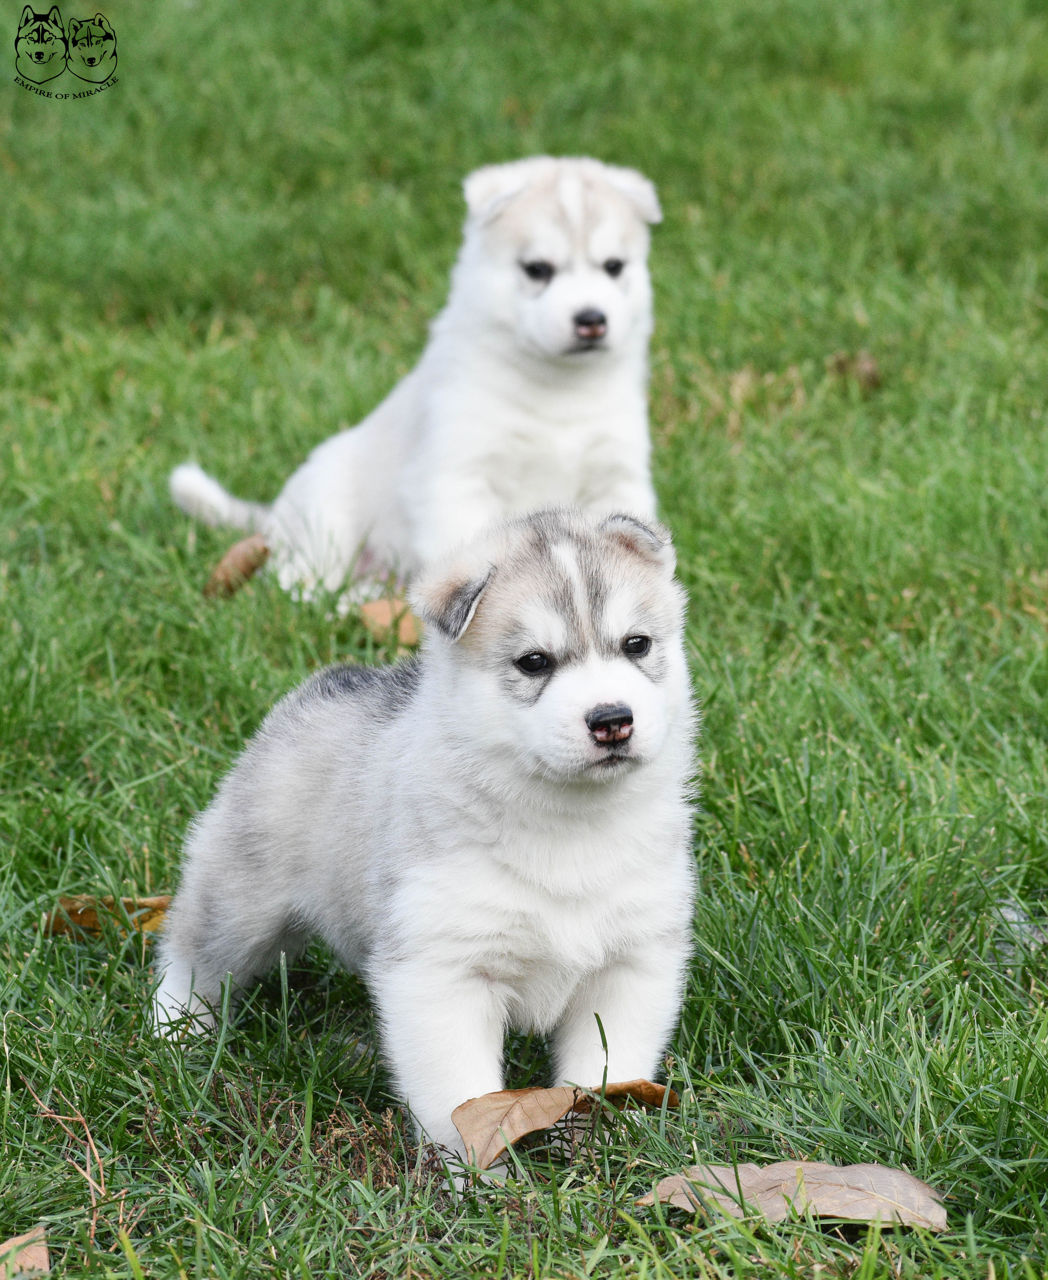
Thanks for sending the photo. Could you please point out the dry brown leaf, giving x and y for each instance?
(82, 913)
(494, 1121)
(862, 367)
(867, 371)
(851, 1193)
(24, 1255)
(241, 561)
(380, 617)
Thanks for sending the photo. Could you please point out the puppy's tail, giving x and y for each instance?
(201, 496)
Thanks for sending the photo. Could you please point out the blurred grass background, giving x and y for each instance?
(236, 250)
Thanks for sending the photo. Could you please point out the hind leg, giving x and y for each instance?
(191, 987)
(315, 529)
(207, 943)
(176, 1000)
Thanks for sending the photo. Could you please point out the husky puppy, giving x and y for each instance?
(494, 834)
(92, 48)
(40, 45)
(531, 392)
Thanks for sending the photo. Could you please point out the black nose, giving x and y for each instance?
(590, 323)
(610, 722)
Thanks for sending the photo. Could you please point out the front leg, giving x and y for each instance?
(637, 1000)
(443, 1031)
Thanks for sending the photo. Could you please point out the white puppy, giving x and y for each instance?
(496, 834)
(532, 390)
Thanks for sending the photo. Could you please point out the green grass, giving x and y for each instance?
(237, 249)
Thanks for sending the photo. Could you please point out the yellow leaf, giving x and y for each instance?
(82, 913)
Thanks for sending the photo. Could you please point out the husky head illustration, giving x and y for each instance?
(40, 45)
(92, 48)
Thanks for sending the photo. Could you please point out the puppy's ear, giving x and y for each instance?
(637, 189)
(650, 542)
(54, 16)
(26, 18)
(103, 23)
(487, 189)
(450, 601)
(73, 26)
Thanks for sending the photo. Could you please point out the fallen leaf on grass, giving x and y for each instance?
(862, 367)
(494, 1121)
(24, 1256)
(82, 913)
(241, 561)
(381, 617)
(849, 1193)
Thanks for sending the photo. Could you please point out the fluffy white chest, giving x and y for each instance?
(539, 445)
(532, 935)
(529, 472)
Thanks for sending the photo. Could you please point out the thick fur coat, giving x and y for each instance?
(495, 835)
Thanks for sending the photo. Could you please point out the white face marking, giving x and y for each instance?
(542, 629)
(565, 557)
(552, 246)
(621, 613)
(607, 241)
(570, 194)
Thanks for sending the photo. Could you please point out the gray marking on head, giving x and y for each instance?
(594, 578)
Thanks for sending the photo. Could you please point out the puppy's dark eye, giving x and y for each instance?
(534, 664)
(636, 646)
(540, 270)
(614, 266)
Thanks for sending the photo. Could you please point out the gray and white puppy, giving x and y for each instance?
(496, 834)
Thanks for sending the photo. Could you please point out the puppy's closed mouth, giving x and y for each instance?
(613, 758)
